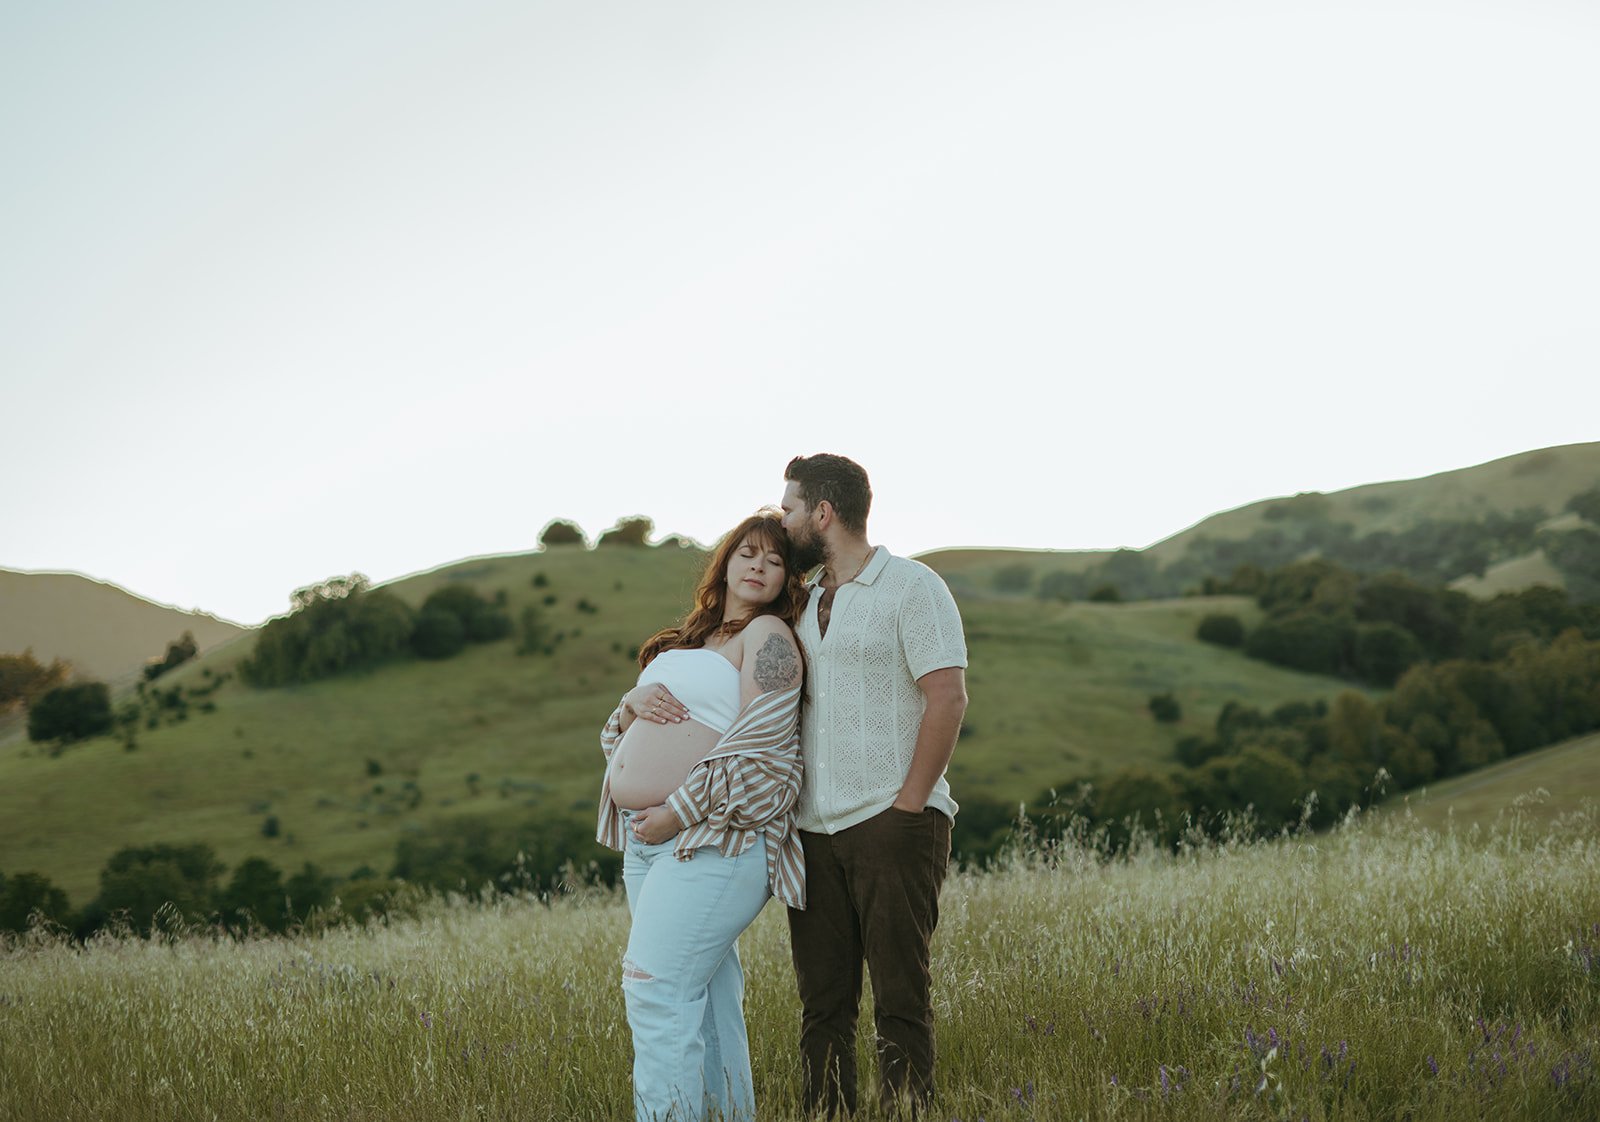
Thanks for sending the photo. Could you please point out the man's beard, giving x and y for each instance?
(806, 552)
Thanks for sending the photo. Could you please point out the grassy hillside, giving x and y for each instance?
(106, 632)
(1543, 785)
(1380, 972)
(1545, 478)
(1057, 691)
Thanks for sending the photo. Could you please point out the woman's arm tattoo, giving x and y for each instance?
(777, 665)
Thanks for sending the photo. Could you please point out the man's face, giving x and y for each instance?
(798, 520)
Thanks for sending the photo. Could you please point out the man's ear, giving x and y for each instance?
(824, 513)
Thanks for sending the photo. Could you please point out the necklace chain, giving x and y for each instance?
(861, 568)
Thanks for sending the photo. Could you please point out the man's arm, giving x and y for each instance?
(945, 692)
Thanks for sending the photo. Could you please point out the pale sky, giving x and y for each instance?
(290, 290)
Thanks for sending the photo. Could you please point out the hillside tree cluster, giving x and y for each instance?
(344, 625)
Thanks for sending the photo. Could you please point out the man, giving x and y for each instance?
(885, 693)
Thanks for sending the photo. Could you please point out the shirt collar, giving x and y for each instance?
(874, 566)
(869, 572)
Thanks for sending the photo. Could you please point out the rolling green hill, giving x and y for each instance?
(1543, 784)
(1057, 690)
(106, 632)
(338, 771)
(1545, 478)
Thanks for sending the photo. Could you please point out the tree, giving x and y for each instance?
(1013, 578)
(1384, 651)
(628, 531)
(439, 634)
(1106, 594)
(255, 894)
(561, 532)
(1354, 724)
(1164, 707)
(1137, 797)
(335, 627)
(70, 713)
(481, 620)
(1576, 553)
(1586, 505)
(1221, 629)
(307, 891)
(1305, 640)
(24, 894)
(179, 651)
(179, 880)
(1271, 782)
(23, 679)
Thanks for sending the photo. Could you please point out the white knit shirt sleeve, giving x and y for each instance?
(930, 626)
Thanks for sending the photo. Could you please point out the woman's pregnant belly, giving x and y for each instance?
(653, 761)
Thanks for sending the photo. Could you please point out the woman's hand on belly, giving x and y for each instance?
(654, 702)
(655, 824)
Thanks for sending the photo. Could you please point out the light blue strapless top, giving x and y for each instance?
(706, 683)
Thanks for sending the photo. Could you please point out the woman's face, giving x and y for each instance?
(755, 574)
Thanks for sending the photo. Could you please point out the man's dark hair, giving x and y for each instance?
(833, 479)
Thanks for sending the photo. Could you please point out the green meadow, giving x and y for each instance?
(1543, 786)
(1385, 970)
(348, 766)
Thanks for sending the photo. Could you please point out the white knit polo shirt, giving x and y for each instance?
(858, 729)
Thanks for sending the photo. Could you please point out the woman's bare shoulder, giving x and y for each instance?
(763, 628)
(772, 655)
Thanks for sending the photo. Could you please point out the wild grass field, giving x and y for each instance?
(348, 766)
(1384, 970)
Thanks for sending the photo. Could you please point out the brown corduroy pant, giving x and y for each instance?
(872, 896)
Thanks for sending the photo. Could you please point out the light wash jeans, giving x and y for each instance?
(682, 983)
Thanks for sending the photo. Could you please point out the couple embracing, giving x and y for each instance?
(788, 739)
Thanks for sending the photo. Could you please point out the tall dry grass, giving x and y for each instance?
(1381, 971)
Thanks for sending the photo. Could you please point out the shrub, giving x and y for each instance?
(439, 634)
(561, 532)
(1303, 640)
(627, 531)
(179, 651)
(1014, 578)
(1164, 707)
(481, 621)
(24, 894)
(1106, 594)
(70, 713)
(1222, 629)
(1384, 651)
(1586, 505)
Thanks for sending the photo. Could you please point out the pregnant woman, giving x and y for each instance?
(699, 792)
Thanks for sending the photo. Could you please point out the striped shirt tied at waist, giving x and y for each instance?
(747, 785)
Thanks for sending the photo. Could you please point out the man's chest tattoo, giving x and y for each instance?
(825, 610)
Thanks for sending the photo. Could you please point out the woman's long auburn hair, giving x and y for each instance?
(704, 620)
